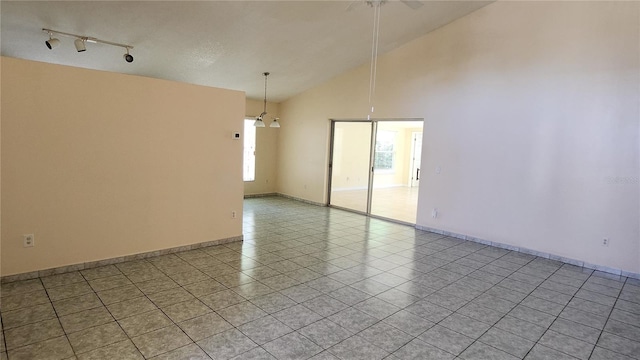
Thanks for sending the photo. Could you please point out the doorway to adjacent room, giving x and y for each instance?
(375, 167)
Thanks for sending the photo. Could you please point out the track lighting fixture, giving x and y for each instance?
(259, 120)
(80, 46)
(128, 57)
(81, 42)
(52, 42)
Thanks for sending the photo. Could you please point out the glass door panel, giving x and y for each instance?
(350, 165)
(394, 193)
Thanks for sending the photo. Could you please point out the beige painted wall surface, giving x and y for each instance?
(99, 165)
(531, 110)
(351, 157)
(266, 150)
(0, 167)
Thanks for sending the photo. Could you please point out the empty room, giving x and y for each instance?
(383, 179)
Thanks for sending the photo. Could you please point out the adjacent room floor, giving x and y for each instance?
(397, 203)
(321, 283)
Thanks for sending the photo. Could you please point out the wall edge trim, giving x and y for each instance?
(252, 196)
(301, 200)
(116, 260)
(541, 254)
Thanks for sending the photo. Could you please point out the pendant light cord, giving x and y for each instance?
(374, 55)
(264, 109)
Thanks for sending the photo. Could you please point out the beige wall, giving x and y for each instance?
(100, 165)
(266, 150)
(351, 157)
(1, 167)
(531, 111)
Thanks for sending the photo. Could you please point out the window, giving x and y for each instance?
(384, 151)
(249, 157)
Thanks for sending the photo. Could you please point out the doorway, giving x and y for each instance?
(374, 167)
(416, 157)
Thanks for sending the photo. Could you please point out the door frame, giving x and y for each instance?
(374, 130)
(413, 167)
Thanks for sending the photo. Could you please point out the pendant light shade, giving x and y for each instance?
(275, 123)
(258, 122)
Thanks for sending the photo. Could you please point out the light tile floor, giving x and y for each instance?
(397, 203)
(314, 282)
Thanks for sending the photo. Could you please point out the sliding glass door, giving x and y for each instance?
(375, 167)
(394, 193)
(350, 165)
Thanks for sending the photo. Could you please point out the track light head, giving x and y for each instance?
(52, 43)
(80, 45)
(128, 57)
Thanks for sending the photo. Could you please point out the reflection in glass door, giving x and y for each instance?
(379, 174)
(350, 165)
(416, 156)
(394, 193)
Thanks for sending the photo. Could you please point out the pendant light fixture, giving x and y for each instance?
(376, 5)
(259, 120)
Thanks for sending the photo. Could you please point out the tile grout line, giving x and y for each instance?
(455, 312)
(373, 296)
(449, 284)
(4, 338)
(422, 299)
(110, 314)
(607, 321)
(567, 306)
(163, 312)
(556, 316)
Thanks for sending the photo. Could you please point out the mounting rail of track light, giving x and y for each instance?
(81, 40)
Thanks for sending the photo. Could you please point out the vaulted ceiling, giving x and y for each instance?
(227, 44)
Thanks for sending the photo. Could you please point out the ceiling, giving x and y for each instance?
(227, 44)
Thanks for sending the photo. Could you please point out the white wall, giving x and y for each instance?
(531, 110)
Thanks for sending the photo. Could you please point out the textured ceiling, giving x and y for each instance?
(227, 44)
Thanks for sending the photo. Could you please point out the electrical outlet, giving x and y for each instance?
(233, 214)
(605, 242)
(28, 240)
